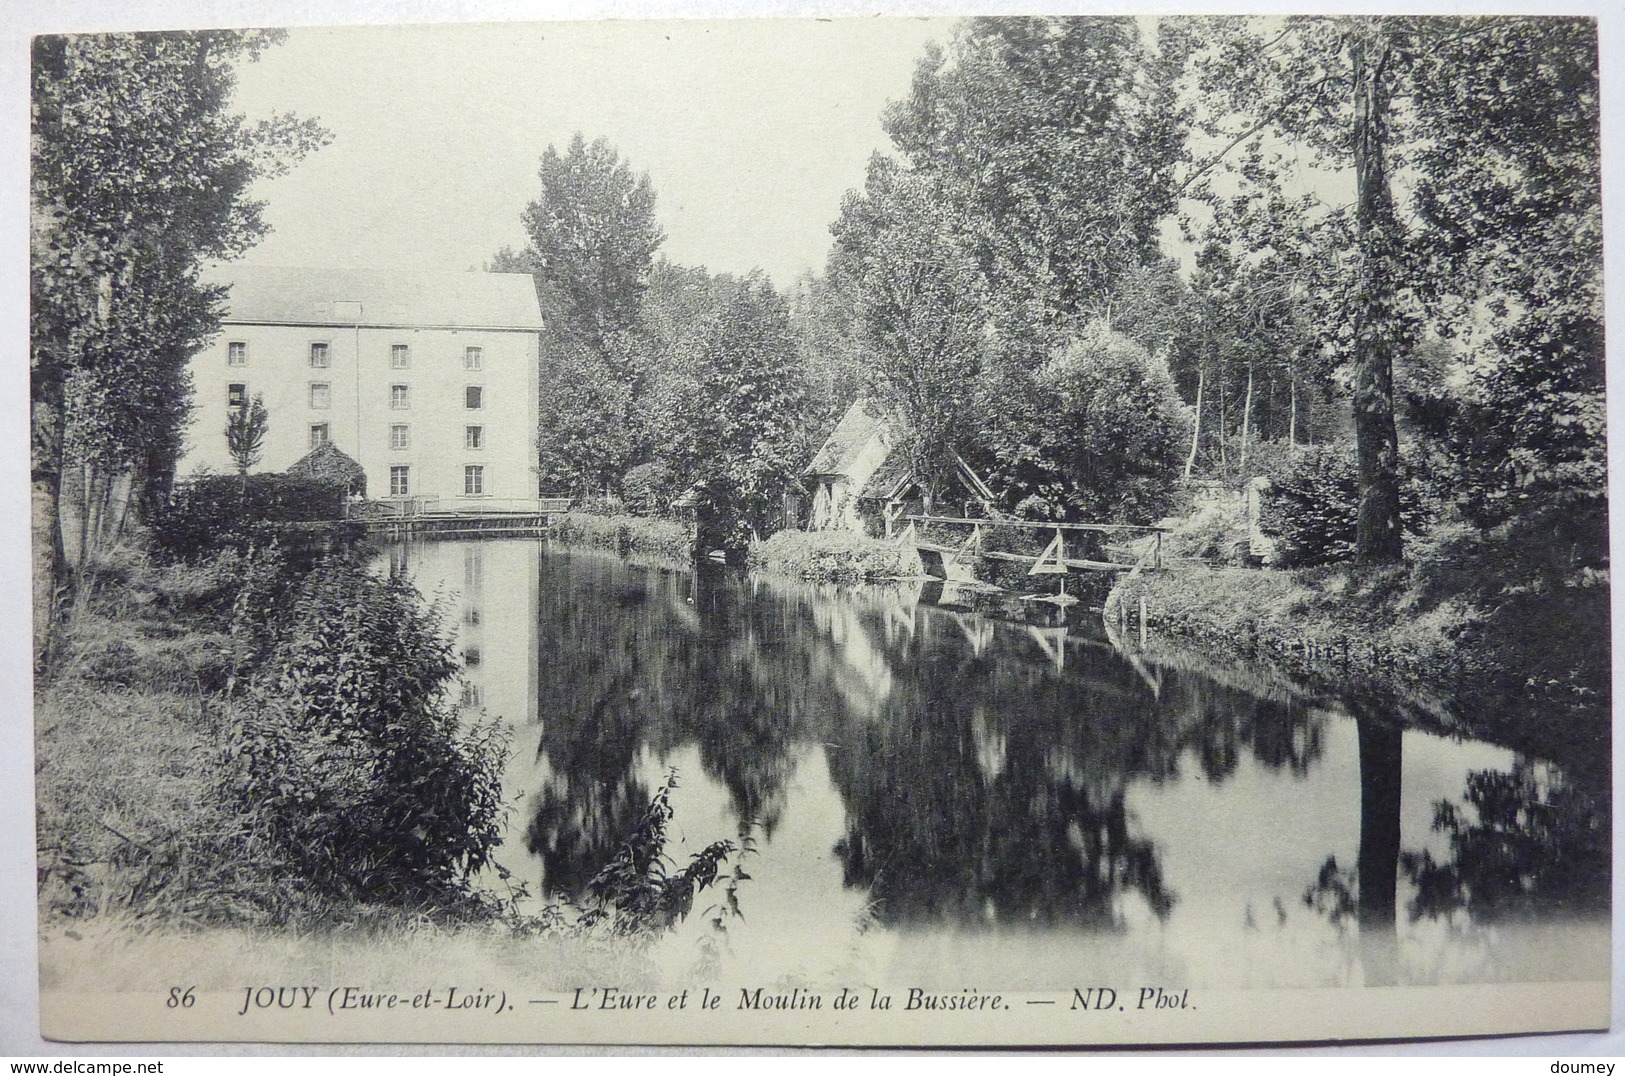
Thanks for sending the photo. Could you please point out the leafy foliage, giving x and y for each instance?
(592, 238)
(1113, 440)
(347, 761)
(218, 512)
(635, 893)
(743, 438)
(592, 242)
(918, 310)
(139, 174)
(245, 433)
(648, 488)
(1313, 506)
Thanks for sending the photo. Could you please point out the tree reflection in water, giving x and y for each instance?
(1532, 842)
(982, 770)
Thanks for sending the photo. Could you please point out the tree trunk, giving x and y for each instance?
(1378, 324)
(45, 465)
(1196, 432)
(1246, 420)
(1292, 422)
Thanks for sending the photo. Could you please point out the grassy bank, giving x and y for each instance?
(1530, 667)
(626, 534)
(826, 556)
(257, 750)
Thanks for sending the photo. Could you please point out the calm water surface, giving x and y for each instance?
(944, 797)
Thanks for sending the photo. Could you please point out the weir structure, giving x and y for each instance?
(957, 558)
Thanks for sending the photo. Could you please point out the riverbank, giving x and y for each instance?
(1531, 669)
(627, 534)
(831, 556)
(220, 742)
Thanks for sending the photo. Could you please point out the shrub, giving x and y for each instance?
(649, 489)
(826, 555)
(227, 511)
(605, 506)
(1312, 508)
(347, 761)
(626, 535)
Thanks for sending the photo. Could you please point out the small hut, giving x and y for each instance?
(327, 464)
(860, 475)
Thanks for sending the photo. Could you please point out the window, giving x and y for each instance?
(473, 397)
(400, 437)
(471, 657)
(236, 396)
(473, 695)
(471, 616)
(473, 358)
(321, 395)
(474, 437)
(399, 481)
(320, 359)
(318, 434)
(236, 353)
(474, 480)
(400, 357)
(400, 398)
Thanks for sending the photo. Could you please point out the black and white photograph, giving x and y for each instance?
(995, 530)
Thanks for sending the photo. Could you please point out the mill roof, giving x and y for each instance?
(857, 428)
(299, 295)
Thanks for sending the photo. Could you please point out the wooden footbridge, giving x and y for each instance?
(958, 558)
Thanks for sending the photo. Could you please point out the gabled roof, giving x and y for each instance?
(294, 295)
(327, 463)
(857, 428)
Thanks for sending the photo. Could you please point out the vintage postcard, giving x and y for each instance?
(889, 531)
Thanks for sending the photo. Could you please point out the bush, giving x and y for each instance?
(1312, 508)
(649, 489)
(626, 535)
(346, 760)
(227, 512)
(839, 556)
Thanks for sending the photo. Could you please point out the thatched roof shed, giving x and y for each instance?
(327, 464)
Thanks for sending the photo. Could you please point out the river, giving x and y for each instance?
(944, 797)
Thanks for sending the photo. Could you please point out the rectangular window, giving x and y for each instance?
(318, 434)
(321, 395)
(400, 437)
(320, 359)
(236, 396)
(474, 480)
(473, 397)
(399, 398)
(400, 357)
(473, 436)
(399, 483)
(236, 353)
(473, 358)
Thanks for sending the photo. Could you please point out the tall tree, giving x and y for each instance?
(919, 309)
(140, 174)
(1495, 120)
(1055, 140)
(1516, 222)
(593, 237)
(744, 438)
